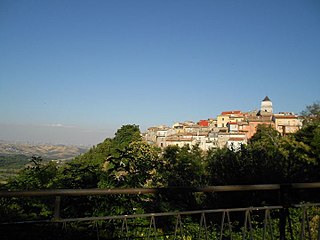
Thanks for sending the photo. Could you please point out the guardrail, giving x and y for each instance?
(111, 191)
(223, 227)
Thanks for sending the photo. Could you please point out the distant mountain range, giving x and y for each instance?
(49, 152)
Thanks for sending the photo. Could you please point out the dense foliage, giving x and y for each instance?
(126, 161)
(10, 164)
(13, 161)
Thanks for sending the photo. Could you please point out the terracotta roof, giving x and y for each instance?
(231, 112)
(236, 139)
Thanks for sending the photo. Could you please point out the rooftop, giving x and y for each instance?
(231, 112)
(266, 99)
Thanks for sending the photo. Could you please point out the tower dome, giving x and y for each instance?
(266, 106)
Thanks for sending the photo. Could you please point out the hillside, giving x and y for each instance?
(14, 157)
(48, 152)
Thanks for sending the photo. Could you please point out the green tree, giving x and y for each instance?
(35, 176)
(134, 166)
(89, 171)
(183, 166)
(126, 135)
(85, 170)
(311, 113)
(309, 134)
(265, 134)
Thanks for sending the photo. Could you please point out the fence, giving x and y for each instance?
(283, 221)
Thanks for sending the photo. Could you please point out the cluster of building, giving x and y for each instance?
(230, 128)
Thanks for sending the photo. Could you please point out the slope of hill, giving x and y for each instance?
(48, 152)
(14, 157)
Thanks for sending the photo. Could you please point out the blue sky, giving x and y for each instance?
(75, 71)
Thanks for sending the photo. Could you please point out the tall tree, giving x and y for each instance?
(311, 113)
(134, 166)
(184, 166)
(126, 135)
(310, 132)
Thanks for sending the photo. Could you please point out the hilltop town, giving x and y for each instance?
(230, 128)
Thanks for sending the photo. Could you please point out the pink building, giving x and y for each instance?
(250, 126)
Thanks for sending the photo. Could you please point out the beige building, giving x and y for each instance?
(229, 116)
(235, 143)
(157, 135)
(190, 139)
(224, 138)
(178, 141)
(287, 123)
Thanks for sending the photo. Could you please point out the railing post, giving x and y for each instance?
(57, 204)
(282, 222)
(284, 212)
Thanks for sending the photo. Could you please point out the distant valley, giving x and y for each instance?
(14, 157)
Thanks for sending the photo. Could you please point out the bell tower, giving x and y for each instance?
(266, 107)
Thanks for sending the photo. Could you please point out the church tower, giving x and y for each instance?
(266, 107)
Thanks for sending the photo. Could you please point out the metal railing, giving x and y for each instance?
(267, 222)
